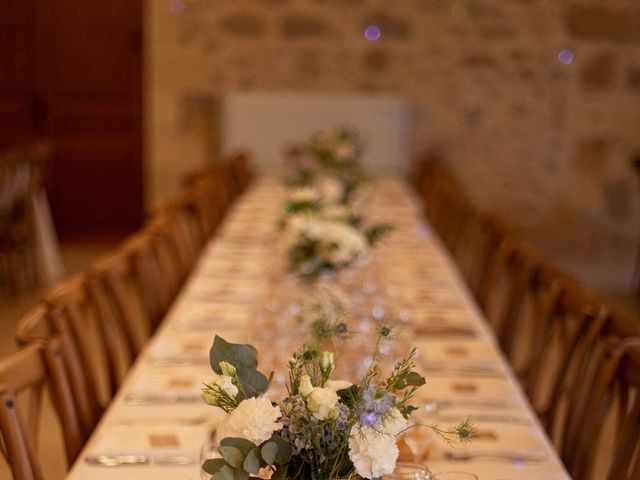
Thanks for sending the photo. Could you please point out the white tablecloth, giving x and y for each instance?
(426, 287)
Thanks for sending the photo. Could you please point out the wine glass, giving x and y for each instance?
(409, 471)
(454, 476)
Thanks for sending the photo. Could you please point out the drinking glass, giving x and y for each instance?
(409, 471)
(454, 476)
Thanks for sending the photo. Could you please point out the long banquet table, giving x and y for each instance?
(158, 409)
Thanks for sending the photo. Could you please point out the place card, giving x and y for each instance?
(158, 440)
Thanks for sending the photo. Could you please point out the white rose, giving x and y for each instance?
(394, 422)
(322, 403)
(336, 385)
(254, 419)
(373, 454)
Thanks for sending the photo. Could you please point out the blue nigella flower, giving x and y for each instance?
(370, 419)
(378, 400)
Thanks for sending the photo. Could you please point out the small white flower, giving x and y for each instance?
(227, 369)
(326, 361)
(254, 419)
(373, 454)
(336, 385)
(394, 422)
(226, 383)
(322, 403)
(305, 387)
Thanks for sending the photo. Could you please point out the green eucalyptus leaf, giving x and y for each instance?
(242, 444)
(240, 475)
(280, 473)
(269, 452)
(212, 465)
(253, 382)
(225, 473)
(232, 455)
(241, 356)
(253, 462)
(284, 450)
(349, 395)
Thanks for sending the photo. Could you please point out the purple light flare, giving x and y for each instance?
(372, 33)
(565, 56)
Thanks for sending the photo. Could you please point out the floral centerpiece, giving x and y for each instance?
(332, 165)
(317, 244)
(324, 429)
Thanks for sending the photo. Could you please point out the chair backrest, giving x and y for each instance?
(608, 395)
(240, 171)
(476, 250)
(100, 339)
(29, 370)
(155, 293)
(116, 275)
(38, 325)
(524, 335)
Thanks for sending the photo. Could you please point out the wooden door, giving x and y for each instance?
(95, 115)
(71, 71)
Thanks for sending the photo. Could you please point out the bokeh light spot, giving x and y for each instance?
(565, 56)
(372, 33)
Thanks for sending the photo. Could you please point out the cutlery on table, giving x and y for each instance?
(183, 420)
(462, 370)
(120, 460)
(161, 398)
(489, 418)
(433, 405)
(515, 457)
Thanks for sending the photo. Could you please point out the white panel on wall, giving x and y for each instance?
(267, 124)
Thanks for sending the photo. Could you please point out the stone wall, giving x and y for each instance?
(535, 103)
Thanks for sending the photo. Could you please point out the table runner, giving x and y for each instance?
(158, 410)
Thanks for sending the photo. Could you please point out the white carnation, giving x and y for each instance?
(373, 454)
(322, 403)
(254, 419)
(394, 422)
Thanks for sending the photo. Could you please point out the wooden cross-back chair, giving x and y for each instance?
(524, 334)
(116, 275)
(37, 326)
(505, 285)
(100, 340)
(155, 292)
(28, 371)
(609, 394)
(241, 172)
(476, 250)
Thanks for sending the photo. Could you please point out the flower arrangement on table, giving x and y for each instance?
(317, 244)
(324, 429)
(332, 165)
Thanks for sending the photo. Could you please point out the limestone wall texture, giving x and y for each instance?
(535, 103)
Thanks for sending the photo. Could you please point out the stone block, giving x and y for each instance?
(601, 22)
(391, 25)
(296, 26)
(243, 24)
(591, 155)
(598, 72)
